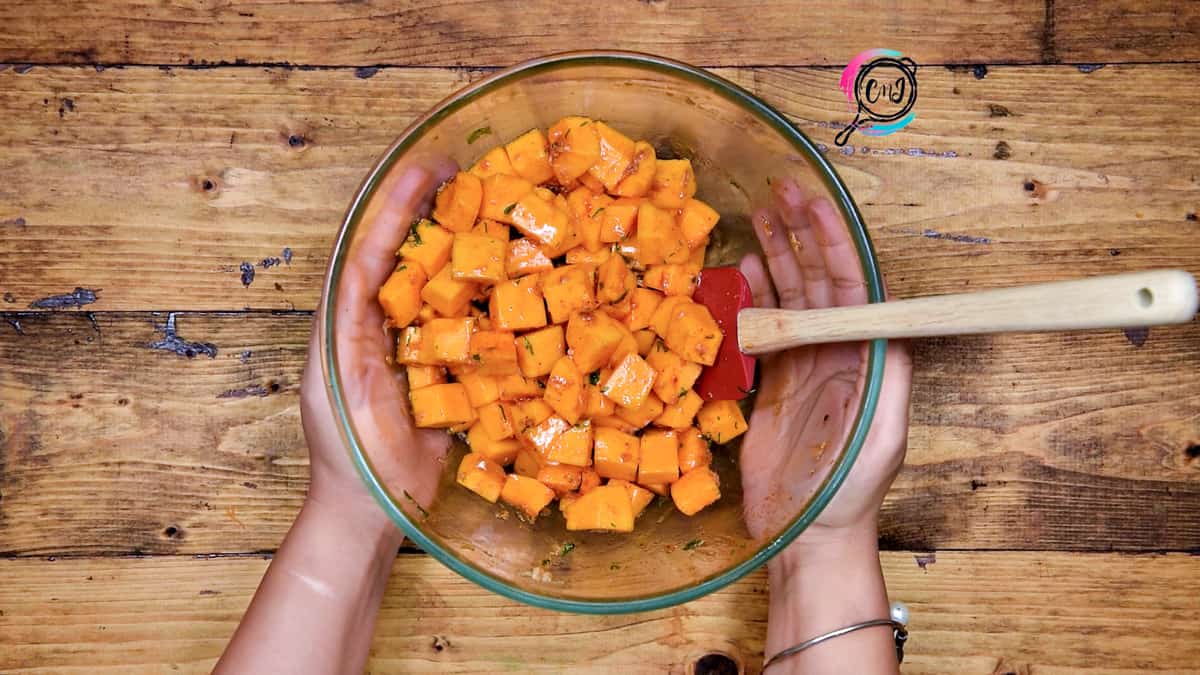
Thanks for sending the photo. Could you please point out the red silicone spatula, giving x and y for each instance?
(1115, 301)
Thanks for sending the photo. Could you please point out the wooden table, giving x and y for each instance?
(151, 457)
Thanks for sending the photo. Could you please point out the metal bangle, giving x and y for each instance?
(899, 634)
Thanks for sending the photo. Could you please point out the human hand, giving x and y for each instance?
(407, 459)
(808, 396)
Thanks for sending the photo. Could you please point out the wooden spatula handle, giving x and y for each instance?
(1116, 301)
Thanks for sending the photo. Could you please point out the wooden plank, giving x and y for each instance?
(107, 446)
(972, 613)
(444, 33)
(1125, 30)
(998, 181)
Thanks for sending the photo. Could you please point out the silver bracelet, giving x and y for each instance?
(898, 622)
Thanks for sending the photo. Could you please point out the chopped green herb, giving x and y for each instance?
(478, 134)
(540, 384)
(583, 424)
(597, 211)
(585, 123)
(566, 548)
(528, 345)
(503, 414)
(693, 544)
(477, 357)
(594, 378)
(508, 209)
(683, 391)
(423, 512)
(415, 236)
(401, 268)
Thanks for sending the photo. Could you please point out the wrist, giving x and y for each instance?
(366, 529)
(822, 547)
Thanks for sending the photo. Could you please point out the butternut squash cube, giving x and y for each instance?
(542, 435)
(574, 148)
(630, 382)
(564, 389)
(400, 295)
(619, 219)
(613, 422)
(627, 345)
(679, 415)
(527, 414)
(495, 421)
(693, 450)
(481, 476)
(561, 478)
(481, 389)
(665, 314)
(606, 508)
(645, 341)
(538, 351)
(492, 228)
(493, 352)
(659, 238)
(696, 220)
(517, 304)
(581, 255)
(676, 375)
(639, 496)
(616, 154)
(423, 376)
(541, 220)
(587, 208)
(451, 339)
(695, 490)
(694, 334)
(457, 202)
(565, 501)
(660, 489)
(592, 338)
(619, 310)
(643, 304)
(528, 463)
(414, 349)
(529, 157)
(614, 280)
(595, 404)
(659, 461)
(525, 256)
(589, 481)
(721, 421)
(494, 161)
(592, 183)
(526, 494)
(672, 280)
(428, 245)
(641, 415)
(501, 451)
(500, 195)
(615, 454)
(516, 386)
(447, 295)
(573, 446)
(478, 257)
(568, 289)
(441, 405)
(639, 173)
(674, 183)
(427, 313)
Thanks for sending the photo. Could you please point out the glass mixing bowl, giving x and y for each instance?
(737, 145)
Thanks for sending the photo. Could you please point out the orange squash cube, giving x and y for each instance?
(568, 289)
(481, 389)
(592, 183)
(573, 446)
(645, 341)
(481, 476)
(517, 304)
(478, 257)
(615, 454)
(528, 413)
(525, 256)
(538, 351)
(423, 376)
(564, 389)
(495, 421)
(618, 220)
(561, 478)
(674, 183)
(400, 295)
(590, 481)
(695, 490)
(630, 382)
(616, 154)
(494, 161)
(642, 306)
(500, 195)
(665, 314)
(542, 436)
(672, 280)
(448, 295)
(580, 255)
(528, 463)
(606, 508)
(614, 280)
(516, 386)
(501, 451)
(660, 489)
(659, 238)
(619, 310)
(643, 414)
(613, 422)
(492, 229)
(565, 500)
(592, 338)
(693, 450)
(694, 334)
(451, 339)
(627, 346)
(541, 221)
(413, 349)
(526, 494)
(659, 460)
(679, 415)
(640, 173)
(639, 496)
(595, 404)
(676, 375)
(427, 313)
(457, 202)
(493, 352)
(587, 208)
(441, 405)
(574, 148)
(721, 421)
(529, 157)
(428, 245)
(696, 220)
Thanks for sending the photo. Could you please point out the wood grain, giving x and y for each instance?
(998, 182)
(972, 613)
(108, 446)
(441, 33)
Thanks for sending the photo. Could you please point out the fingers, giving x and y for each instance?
(760, 286)
(385, 223)
(841, 260)
(781, 261)
(892, 414)
(792, 205)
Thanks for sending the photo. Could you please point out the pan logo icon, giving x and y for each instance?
(881, 84)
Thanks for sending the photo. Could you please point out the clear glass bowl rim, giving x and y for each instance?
(738, 96)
